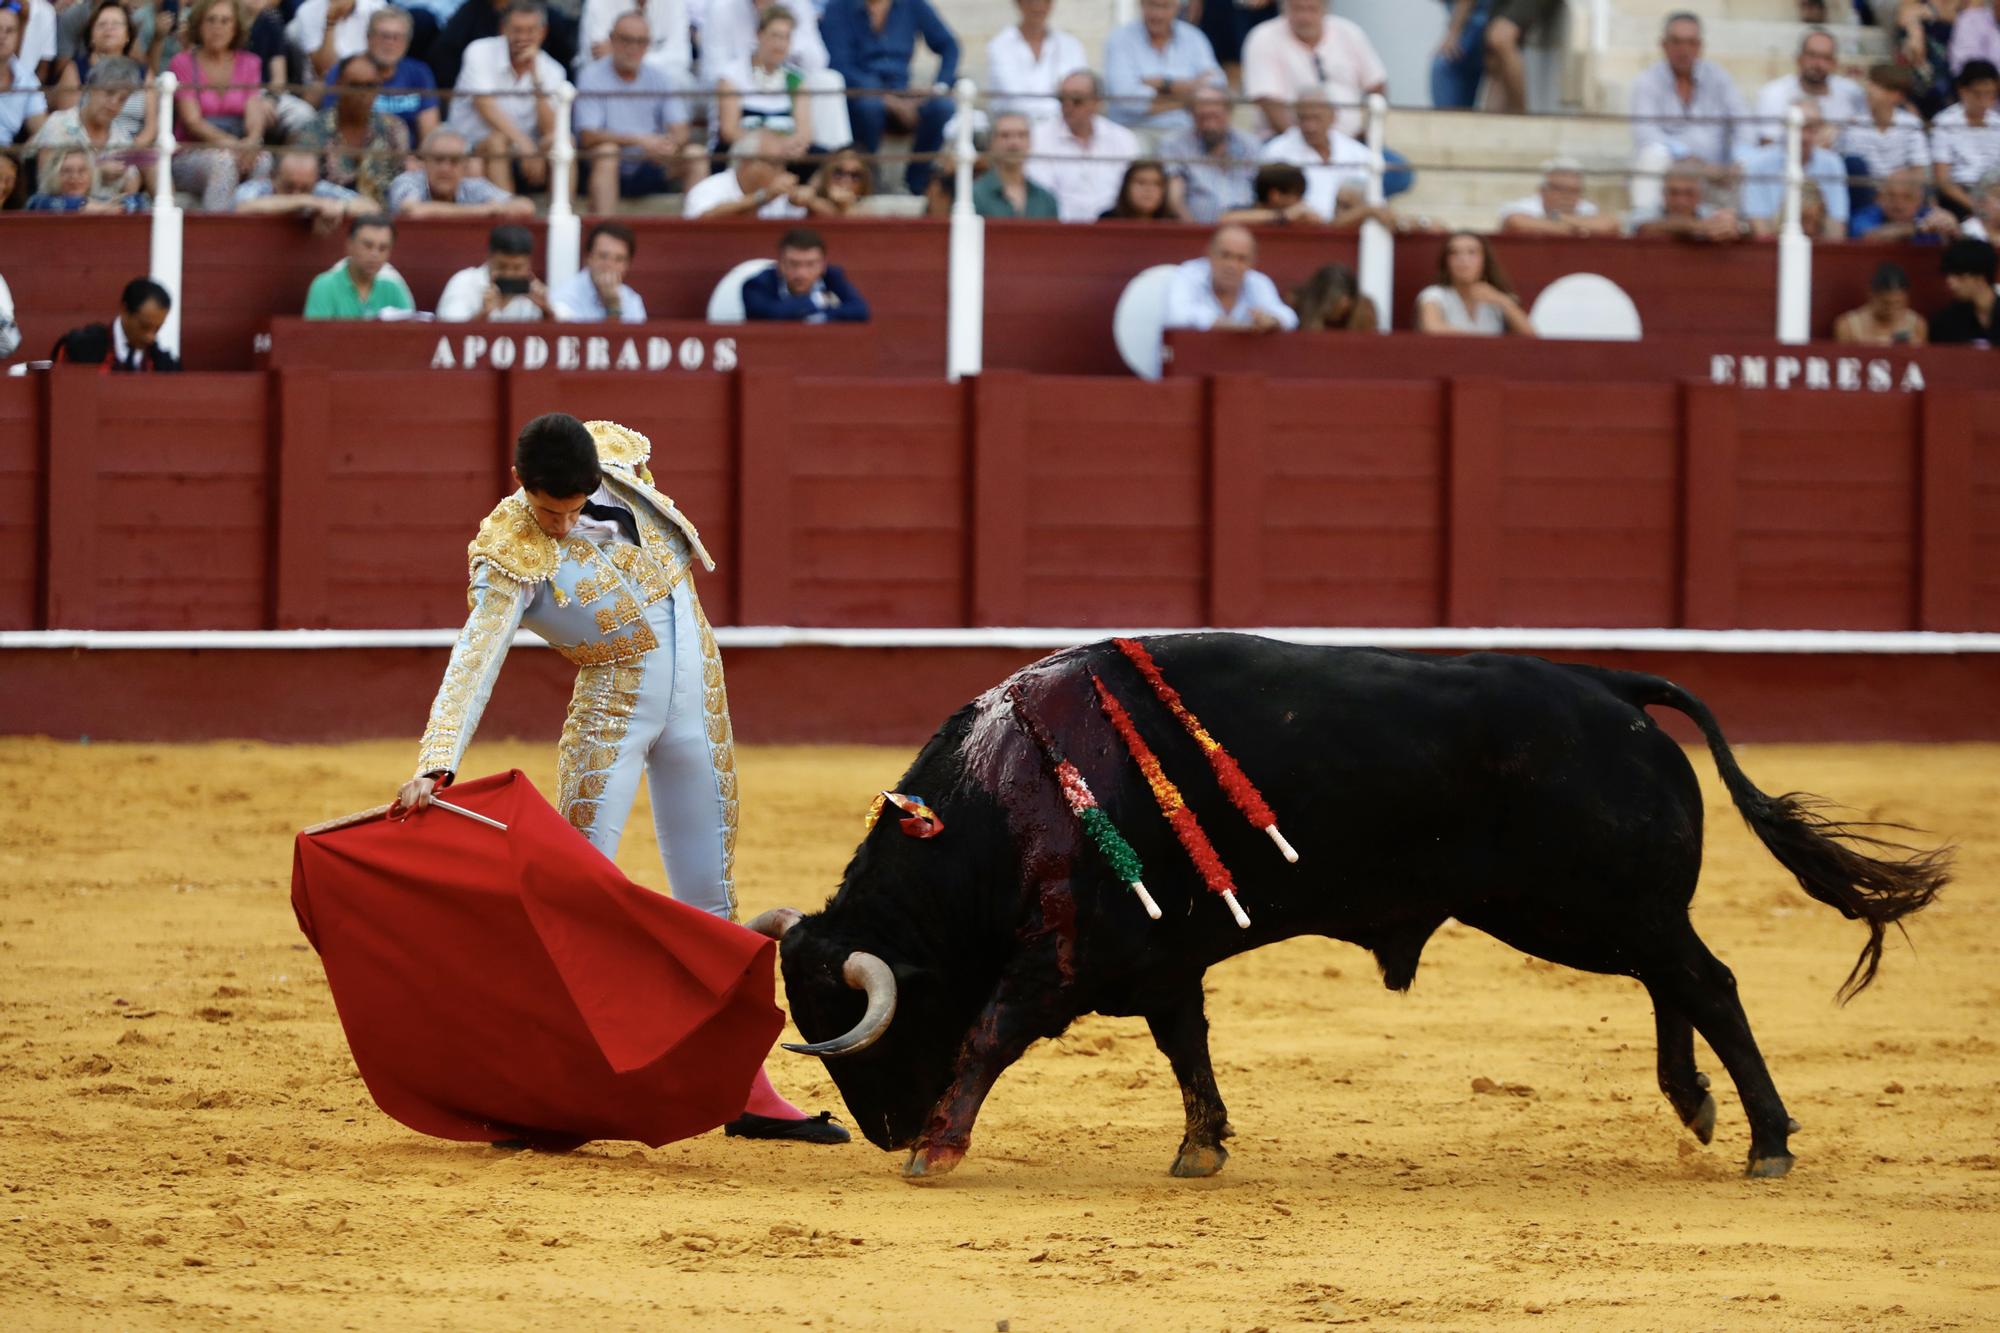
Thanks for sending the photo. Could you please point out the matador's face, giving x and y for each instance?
(555, 515)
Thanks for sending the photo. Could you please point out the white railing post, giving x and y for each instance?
(565, 228)
(1794, 246)
(163, 258)
(966, 324)
(1377, 261)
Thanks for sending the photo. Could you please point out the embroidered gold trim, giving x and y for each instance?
(721, 750)
(595, 586)
(637, 643)
(495, 611)
(620, 613)
(600, 713)
(512, 542)
(620, 446)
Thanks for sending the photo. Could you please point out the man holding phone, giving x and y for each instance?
(503, 289)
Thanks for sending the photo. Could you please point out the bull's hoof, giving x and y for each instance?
(1199, 1160)
(1702, 1122)
(1769, 1167)
(931, 1163)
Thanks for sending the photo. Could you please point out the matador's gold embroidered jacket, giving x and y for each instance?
(590, 606)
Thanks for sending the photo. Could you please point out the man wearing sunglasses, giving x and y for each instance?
(440, 188)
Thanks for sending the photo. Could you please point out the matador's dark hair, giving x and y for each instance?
(556, 456)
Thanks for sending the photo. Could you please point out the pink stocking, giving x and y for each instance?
(765, 1101)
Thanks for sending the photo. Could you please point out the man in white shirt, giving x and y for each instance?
(504, 289)
(1558, 208)
(1684, 110)
(1024, 64)
(504, 100)
(756, 182)
(1841, 100)
(329, 31)
(668, 47)
(1965, 137)
(1153, 66)
(1308, 48)
(596, 293)
(1331, 160)
(1080, 157)
(1891, 136)
(1225, 291)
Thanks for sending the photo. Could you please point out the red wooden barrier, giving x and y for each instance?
(21, 469)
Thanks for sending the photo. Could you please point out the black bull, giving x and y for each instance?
(1533, 800)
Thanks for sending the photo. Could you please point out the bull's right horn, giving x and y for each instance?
(775, 922)
(864, 972)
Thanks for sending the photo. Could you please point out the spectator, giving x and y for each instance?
(1813, 214)
(362, 285)
(1142, 196)
(1983, 225)
(1973, 317)
(10, 332)
(1840, 99)
(1927, 27)
(409, 90)
(130, 342)
(23, 106)
(92, 124)
(1211, 163)
(764, 91)
(1329, 158)
(504, 289)
(1898, 215)
(1974, 36)
(1224, 290)
(1080, 157)
(68, 191)
(290, 113)
(1308, 48)
(1965, 139)
(109, 35)
(629, 121)
(755, 182)
(295, 189)
(803, 288)
(941, 194)
(596, 293)
(1886, 319)
(504, 100)
(1332, 299)
(1889, 138)
(1513, 20)
(1024, 63)
(871, 43)
(363, 147)
(729, 35)
(38, 37)
(1005, 191)
(669, 51)
(1558, 208)
(1459, 63)
(10, 177)
(222, 114)
(1684, 109)
(1280, 200)
(441, 188)
(1763, 193)
(842, 183)
(330, 32)
(1470, 295)
(1153, 65)
(476, 20)
(1685, 213)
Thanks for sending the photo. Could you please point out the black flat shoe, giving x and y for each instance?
(813, 1129)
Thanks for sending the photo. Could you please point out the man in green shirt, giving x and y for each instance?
(1005, 190)
(362, 285)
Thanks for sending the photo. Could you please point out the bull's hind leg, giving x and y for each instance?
(1686, 1087)
(1180, 1030)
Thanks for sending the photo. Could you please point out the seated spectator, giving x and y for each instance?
(843, 182)
(1224, 290)
(362, 146)
(1080, 157)
(1926, 26)
(754, 182)
(1899, 216)
(1965, 139)
(441, 187)
(1024, 63)
(68, 191)
(10, 179)
(1889, 138)
(1983, 225)
(871, 43)
(1459, 63)
(1332, 299)
(1813, 216)
(409, 90)
(222, 113)
(281, 63)
(504, 100)
(1210, 164)
(295, 189)
(1558, 208)
(1142, 196)
(110, 35)
(669, 50)
(330, 32)
(1153, 65)
(504, 289)
(1887, 318)
(1306, 48)
(1684, 110)
(476, 20)
(1973, 317)
(1763, 195)
(596, 293)
(23, 106)
(130, 342)
(630, 123)
(92, 125)
(803, 288)
(362, 285)
(1005, 191)
(1512, 21)
(1280, 190)
(1685, 213)
(1471, 295)
(1975, 35)
(1840, 99)
(765, 91)
(729, 36)
(1329, 158)
(941, 195)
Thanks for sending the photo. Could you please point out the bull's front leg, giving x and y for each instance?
(1180, 1030)
(1012, 1021)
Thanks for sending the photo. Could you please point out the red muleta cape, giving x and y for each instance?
(516, 985)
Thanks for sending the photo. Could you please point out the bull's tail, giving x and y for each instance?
(1842, 864)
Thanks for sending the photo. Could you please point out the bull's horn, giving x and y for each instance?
(864, 972)
(775, 922)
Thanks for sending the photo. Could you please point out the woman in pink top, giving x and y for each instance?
(223, 112)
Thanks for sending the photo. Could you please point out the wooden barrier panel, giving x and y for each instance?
(1981, 519)
(22, 467)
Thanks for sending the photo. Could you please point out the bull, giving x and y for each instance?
(1533, 800)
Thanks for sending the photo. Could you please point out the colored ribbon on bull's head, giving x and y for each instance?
(921, 821)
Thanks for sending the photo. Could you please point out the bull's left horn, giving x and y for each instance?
(775, 922)
(864, 972)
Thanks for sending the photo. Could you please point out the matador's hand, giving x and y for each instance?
(412, 796)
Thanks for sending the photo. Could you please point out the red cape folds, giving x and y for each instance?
(515, 985)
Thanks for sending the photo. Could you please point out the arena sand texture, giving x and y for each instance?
(184, 1141)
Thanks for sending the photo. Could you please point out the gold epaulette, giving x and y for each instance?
(622, 447)
(514, 544)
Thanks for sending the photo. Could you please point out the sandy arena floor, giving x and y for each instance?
(184, 1141)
